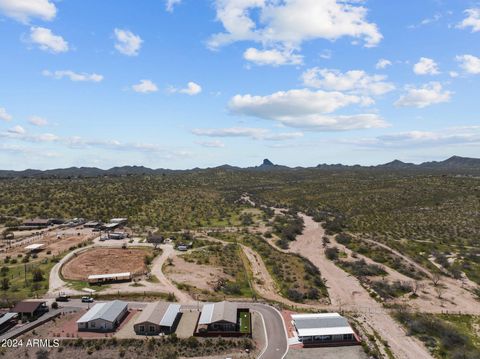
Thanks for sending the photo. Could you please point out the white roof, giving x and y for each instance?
(117, 220)
(207, 312)
(34, 246)
(106, 276)
(170, 315)
(321, 324)
(107, 311)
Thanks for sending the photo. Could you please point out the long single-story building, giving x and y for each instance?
(107, 278)
(323, 329)
(30, 309)
(36, 247)
(156, 318)
(103, 317)
(224, 318)
(7, 321)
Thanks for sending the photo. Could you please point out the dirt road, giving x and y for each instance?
(345, 291)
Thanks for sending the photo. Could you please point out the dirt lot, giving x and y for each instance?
(56, 241)
(200, 276)
(105, 261)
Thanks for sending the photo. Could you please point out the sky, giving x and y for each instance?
(200, 83)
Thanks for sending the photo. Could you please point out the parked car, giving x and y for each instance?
(62, 298)
(87, 300)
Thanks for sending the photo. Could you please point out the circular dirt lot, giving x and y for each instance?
(105, 261)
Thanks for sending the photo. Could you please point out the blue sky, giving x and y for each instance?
(187, 83)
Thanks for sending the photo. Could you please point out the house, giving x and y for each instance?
(7, 321)
(155, 239)
(30, 309)
(156, 318)
(224, 318)
(323, 329)
(117, 235)
(106, 278)
(110, 226)
(103, 317)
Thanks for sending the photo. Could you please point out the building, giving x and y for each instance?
(117, 235)
(7, 321)
(120, 221)
(103, 317)
(106, 278)
(221, 318)
(323, 329)
(33, 248)
(156, 318)
(155, 239)
(35, 223)
(93, 224)
(30, 309)
(110, 226)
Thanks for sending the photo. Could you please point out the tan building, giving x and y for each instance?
(156, 318)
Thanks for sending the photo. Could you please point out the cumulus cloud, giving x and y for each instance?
(426, 66)
(38, 121)
(4, 115)
(272, 57)
(47, 40)
(472, 20)
(18, 130)
(192, 89)
(307, 109)
(424, 96)
(383, 64)
(73, 76)
(170, 5)
(249, 132)
(24, 10)
(353, 81)
(292, 22)
(145, 86)
(127, 42)
(469, 64)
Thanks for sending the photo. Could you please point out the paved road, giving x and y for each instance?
(277, 345)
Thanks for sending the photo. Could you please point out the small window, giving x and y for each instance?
(152, 328)
(141, 328)
(92, 324)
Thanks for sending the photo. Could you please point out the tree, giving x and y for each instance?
(37, 275)
(436, 279)
(5, 283)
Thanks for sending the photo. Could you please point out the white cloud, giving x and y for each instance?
(272, 57)
(73, 76)
(383, 64)
(127, 42)
(472, 20)
(211, 144)
(307, 109)
(354, 81)
(4, 115)
(47, 40)
(18, 130)
(24, 10)
(38, 121)
(145, 86)
(290, 23)
(192, 89)
(427, 95)
(453, 74)
(426, 66)
(171, 4)
(469, 63)
(412, 139)
(249, 132)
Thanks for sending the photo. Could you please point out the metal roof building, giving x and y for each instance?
(103, 316)
(323, 328)
(218, 312)
(157, 317)
(99, 278)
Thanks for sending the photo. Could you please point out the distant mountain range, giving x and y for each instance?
(455, 164)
